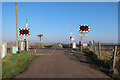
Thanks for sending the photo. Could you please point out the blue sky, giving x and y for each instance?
(55, 20)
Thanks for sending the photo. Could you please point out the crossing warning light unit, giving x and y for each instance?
(72, 38)
(24, 31)
(84, 28)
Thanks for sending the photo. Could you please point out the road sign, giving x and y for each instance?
(24, 31)
(83, 34)
(84, 28)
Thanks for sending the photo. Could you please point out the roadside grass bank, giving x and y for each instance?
(38, 47)
(102, 65)
(56, 46)
(14, 64)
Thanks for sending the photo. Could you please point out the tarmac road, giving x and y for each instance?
(55, 63)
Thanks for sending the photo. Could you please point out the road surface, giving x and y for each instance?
(58, 63)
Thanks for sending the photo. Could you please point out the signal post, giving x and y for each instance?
(72, 44)
(83, 32)
(24, 33)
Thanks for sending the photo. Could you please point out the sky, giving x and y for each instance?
(55, 20)
(60, 0)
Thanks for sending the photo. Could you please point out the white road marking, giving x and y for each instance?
(53, 51)
(47, 54)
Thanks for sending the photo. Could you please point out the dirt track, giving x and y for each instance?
(52, 63)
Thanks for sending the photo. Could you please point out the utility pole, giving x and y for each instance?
(16, 27)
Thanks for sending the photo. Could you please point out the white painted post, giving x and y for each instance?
(0, 47)
(4, 49)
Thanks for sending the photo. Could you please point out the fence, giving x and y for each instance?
(9, 47)
(109, 53)
(21, 46)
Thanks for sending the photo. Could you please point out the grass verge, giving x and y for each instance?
(104, 66)
(56, 46)
(14, 64)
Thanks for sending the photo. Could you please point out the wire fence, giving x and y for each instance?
(108, 53)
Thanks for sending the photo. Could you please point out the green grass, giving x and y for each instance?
(53, 46)
(56, 46)
(59, 46)
(77, 56)
(104, 66)
(13, 64)
(38, 47)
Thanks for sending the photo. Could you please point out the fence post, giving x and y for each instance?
(89, 45)
(69, 45)
(114, 58)
(41, 44)
(10, 46)
(19, 46)
(119, 62)
(35, 45)
(80, 45)
(99, 49)
(94, 48)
